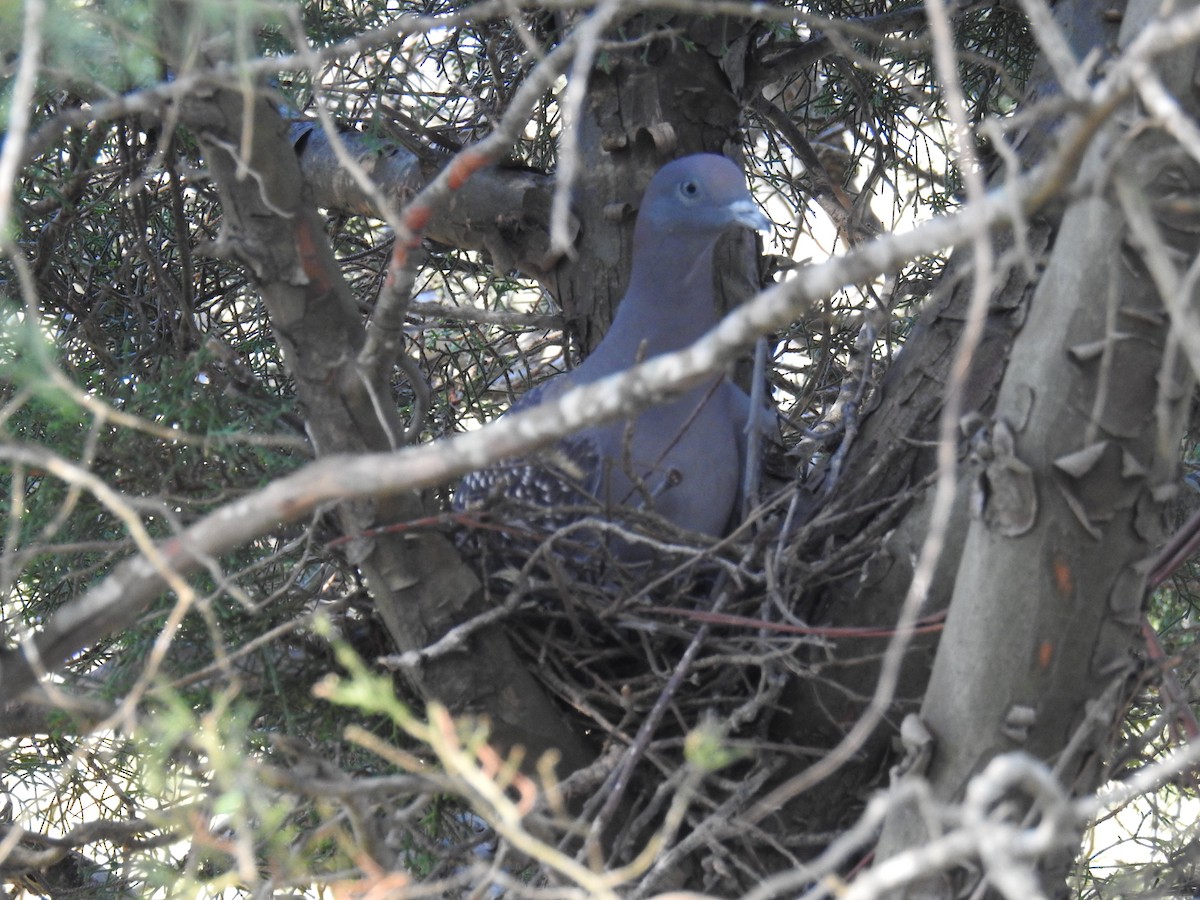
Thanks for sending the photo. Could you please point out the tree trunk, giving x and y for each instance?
(889, 463)
(645, 107)
(421, 588)
(1083, 446)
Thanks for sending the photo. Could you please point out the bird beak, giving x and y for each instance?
(746, 212)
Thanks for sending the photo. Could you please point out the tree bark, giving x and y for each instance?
(891, 458)
(421, 587)
(504, 212)
(646, 106)
(1043, 622)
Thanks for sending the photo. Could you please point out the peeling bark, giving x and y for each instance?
(1043, 622)
(647, 106)
(891, 457)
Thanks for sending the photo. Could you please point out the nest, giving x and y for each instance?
(657, 662)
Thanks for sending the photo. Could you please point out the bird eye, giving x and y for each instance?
(689, 189)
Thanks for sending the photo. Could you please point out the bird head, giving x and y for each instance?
(700, 195)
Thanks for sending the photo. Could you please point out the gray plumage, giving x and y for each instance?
(685, 457)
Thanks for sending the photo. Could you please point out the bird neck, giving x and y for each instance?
(670, 301)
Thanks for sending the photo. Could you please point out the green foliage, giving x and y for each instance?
(360, 687)
(705, 748)
(208, 760)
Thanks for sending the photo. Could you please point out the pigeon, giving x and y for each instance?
(682, 459)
